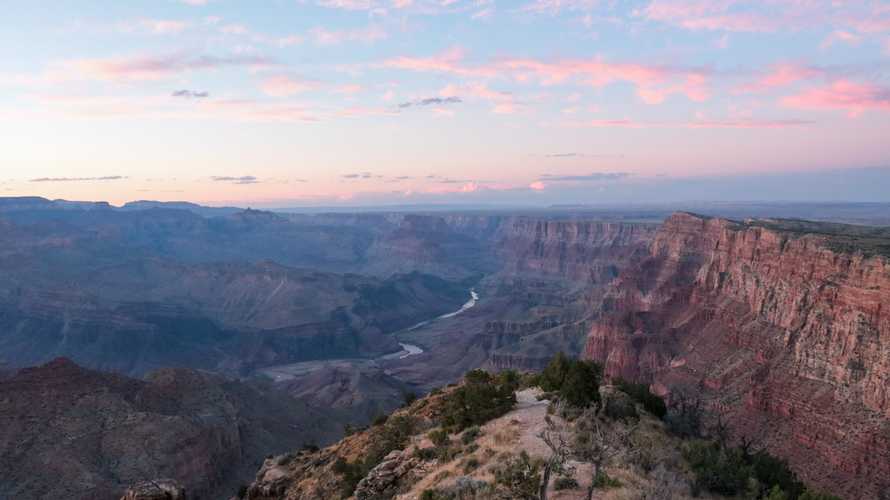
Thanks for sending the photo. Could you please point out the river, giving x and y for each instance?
(288, 372)
(409, 350)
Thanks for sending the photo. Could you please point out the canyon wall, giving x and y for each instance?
(577, 250)
(785, 337)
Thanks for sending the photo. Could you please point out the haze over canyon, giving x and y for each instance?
(184, 342)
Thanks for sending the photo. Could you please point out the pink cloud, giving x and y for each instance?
(323, 36)
(347, 89)
(700, 123)
(447, 62)
(283, 86)
(554, 7)
(782, 75)
(840, 36)
(155, 67)
(707, 15)
(155, 26)
(654, 82)
(504, 102)
(864, 16)
(842, 95)
(537, 186)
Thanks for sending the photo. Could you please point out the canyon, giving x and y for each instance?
(779, 332)
(780, 327)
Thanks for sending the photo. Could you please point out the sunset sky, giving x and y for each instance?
(320, 102)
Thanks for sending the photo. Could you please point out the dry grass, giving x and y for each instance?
(655, 468)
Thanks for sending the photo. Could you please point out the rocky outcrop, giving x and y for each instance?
(158, 489)
(777, 329)
(68, 432)
(385, 480)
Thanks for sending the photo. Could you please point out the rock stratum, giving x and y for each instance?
(781, 327)
(68, 432)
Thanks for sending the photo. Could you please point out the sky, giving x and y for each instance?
(367, 102)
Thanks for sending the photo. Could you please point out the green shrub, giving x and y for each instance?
(812, 495)
(471, 434)
(620, 407)
(519, 477)
(575, 382)
(481, 398)
(379, 420)
(581, 385)
(716, 469)
(471, 464)
(605, 481)
(430, 495)
(641, 394)
(732, 471)
(554, 374)
(776, 493)
(565, 483)
(390, 436)
(772, 472)
(439, 437)
(425, 453)
(408, 397)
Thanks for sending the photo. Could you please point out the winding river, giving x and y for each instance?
(409, 350)
(288, 372)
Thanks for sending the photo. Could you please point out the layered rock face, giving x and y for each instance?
(584, 251)
(787, 338)
(67, 432)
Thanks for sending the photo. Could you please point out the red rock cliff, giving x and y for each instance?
(586, 251)
(787, 338)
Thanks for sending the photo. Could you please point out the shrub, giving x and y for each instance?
(685, 415)
(379, 420)
(430, 495)
(771, 471)
(565, 483)
(731, 471)
(812, 495)
(620, 407)
(471, 434)
(408, 397)
(439, 437)
(641, 394)
(471, 464)
(605, 481)
(581, 385)
(575, 382)
(519, 477)
(392, 435)
(776, 494)
(480, 399)
(554, 374)
(716, 469)
(425, 453)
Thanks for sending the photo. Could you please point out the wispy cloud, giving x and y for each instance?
(80, 179)
(324, 36)
(361, 176)
(593, 177)
(431, 101)
(654, 82)
(190, 94)
(155, 26)
(244, 179)
(844, 95)
(730, 123)
(283, 85)
(158, 67)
